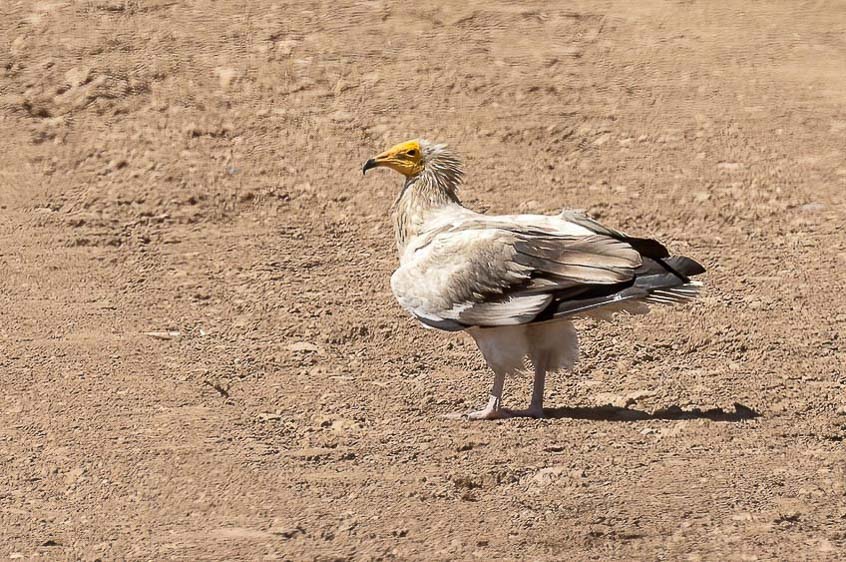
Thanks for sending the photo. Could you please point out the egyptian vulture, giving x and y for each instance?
(515, 282)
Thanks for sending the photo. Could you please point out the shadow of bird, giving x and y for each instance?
(616, 413)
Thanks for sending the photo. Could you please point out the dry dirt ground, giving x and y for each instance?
(191, 169)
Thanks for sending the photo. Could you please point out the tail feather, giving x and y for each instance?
(675, 295)
(658, 281)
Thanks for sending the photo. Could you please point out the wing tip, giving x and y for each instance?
(675, 295)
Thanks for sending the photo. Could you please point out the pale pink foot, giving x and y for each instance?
(488, 414)
(493, 411)
(483, 414)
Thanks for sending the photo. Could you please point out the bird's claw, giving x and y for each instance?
(485, 414)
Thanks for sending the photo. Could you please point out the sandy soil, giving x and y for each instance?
(192, 170)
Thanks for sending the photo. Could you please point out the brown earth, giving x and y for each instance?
(192, 170)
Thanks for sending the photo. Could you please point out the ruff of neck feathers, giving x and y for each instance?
(432, 189)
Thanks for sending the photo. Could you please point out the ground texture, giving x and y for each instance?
(199, 351)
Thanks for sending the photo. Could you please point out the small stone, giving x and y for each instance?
(547, 475)
(193, 130)
(286, 47)
(636, 396)
(304, 347)
(602, 139)
(171, 335)
(226, 76)
(825, 546)
(286, 532)
(341, 117)
(347, 524)
(74, 475)
(77, 76)
(343, 426)
(812, 207)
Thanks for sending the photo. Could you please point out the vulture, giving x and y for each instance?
(515, 282)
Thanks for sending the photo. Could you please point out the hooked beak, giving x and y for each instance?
(372, 163)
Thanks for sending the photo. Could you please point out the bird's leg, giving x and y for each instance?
(494, 410)
(535, 409)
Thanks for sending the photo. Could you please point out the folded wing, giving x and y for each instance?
(501, 272)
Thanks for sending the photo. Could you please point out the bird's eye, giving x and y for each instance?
(412, 152)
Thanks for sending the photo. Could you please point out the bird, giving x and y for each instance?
(515, 283)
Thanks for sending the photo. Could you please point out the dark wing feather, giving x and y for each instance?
(644, 246)
(662, 281)
(586, 259)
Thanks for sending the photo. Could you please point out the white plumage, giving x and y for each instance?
(514, 282)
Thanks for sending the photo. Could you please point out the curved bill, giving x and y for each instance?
(368, 165)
